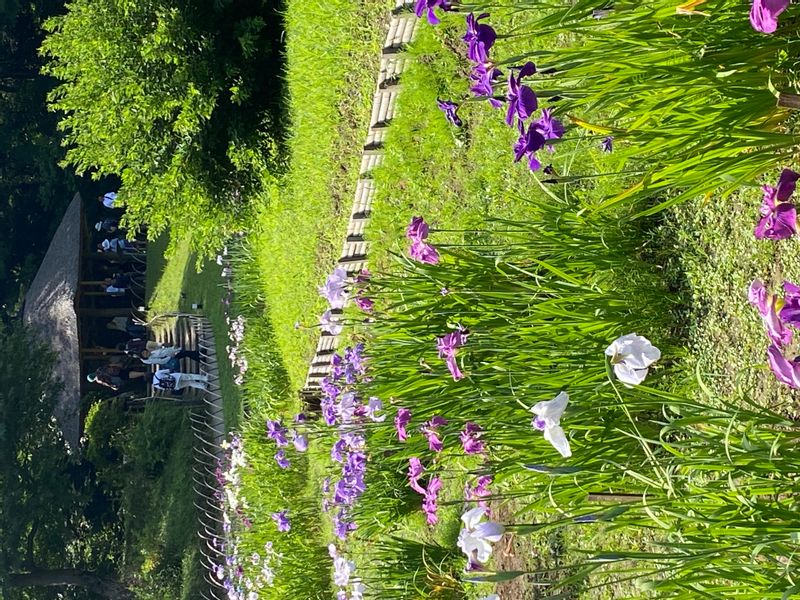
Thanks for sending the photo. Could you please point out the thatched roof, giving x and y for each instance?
(50, 312)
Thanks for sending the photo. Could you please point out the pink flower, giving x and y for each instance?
(764, 14)
(415, 471)
(469, 438)
(418, 229)
(429, 504)
(778, 215)
(429, 430)
(786, 371)
(364, 303)
(768, 306)
(447, 346)
(402, 419)
(424, 253)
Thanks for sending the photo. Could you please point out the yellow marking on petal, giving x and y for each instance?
(778, 303)
(590, 126)
(688, 8)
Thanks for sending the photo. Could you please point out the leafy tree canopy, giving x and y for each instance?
(177, 98)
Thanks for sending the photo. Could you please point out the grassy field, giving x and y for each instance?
(465, 183)
(332, 53)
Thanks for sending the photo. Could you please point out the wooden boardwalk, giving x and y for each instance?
(403, 27)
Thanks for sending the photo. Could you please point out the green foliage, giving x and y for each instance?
(177, 99)
(37, 495)
(33, 191)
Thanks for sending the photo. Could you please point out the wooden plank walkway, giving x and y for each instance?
(403, 26)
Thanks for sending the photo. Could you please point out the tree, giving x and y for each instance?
(177, 98)
(34, 191)
(46, 539)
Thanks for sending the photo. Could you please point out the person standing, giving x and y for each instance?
(109, 200)
(167, 380)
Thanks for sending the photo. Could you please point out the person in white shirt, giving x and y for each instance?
(109, 199)
(162, 356)
(169, 381)
(114, 245)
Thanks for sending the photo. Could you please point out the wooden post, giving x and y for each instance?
(791, 101)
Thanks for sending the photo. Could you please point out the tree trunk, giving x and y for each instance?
(102, 586)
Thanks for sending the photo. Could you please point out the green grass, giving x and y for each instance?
(332, 54)
(176, 287)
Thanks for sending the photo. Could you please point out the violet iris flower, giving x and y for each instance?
(375, 406)
(779, 216)
(790, 313)
(528, 144)
(415, 471)
(428, 6)
(282, 520)
(300, 441)
(764, 14)
(329, 322)
(418, 229)
(277, 433)
(607, 144)
(768, 305)
(402, 419)
(424, 253)
(429, 503)
(549, 127)
(522, 101)
(483, 77)
(447, 346)
(480, 489)
(280, 458)
(786, 371)
(364, 303)
(469, 438)
(479, 38)
(429, 430)
(450, 110)
(335, 288)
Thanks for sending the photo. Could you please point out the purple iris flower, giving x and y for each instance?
(277, 433)
(786, 371)
(522, 101)
(447, 346)
(450, 110)
(281, 459)
(429, 431)
(550, 127)
(527, 145)
(483, 77)
(282, 520)
(329, 389)
(764, 14)
(335, 288)
(364, 303)
(424, 253)
(790, 313)
(402, 419)
(607, 144)
(470, 438)
(300, 441)
(354, 358)
(418, 229)
(479, 38)
(778, 215)
(767, 306)
(480, 489)
(429, 503)
(415, 471)
(328, 411)
(428, 6)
